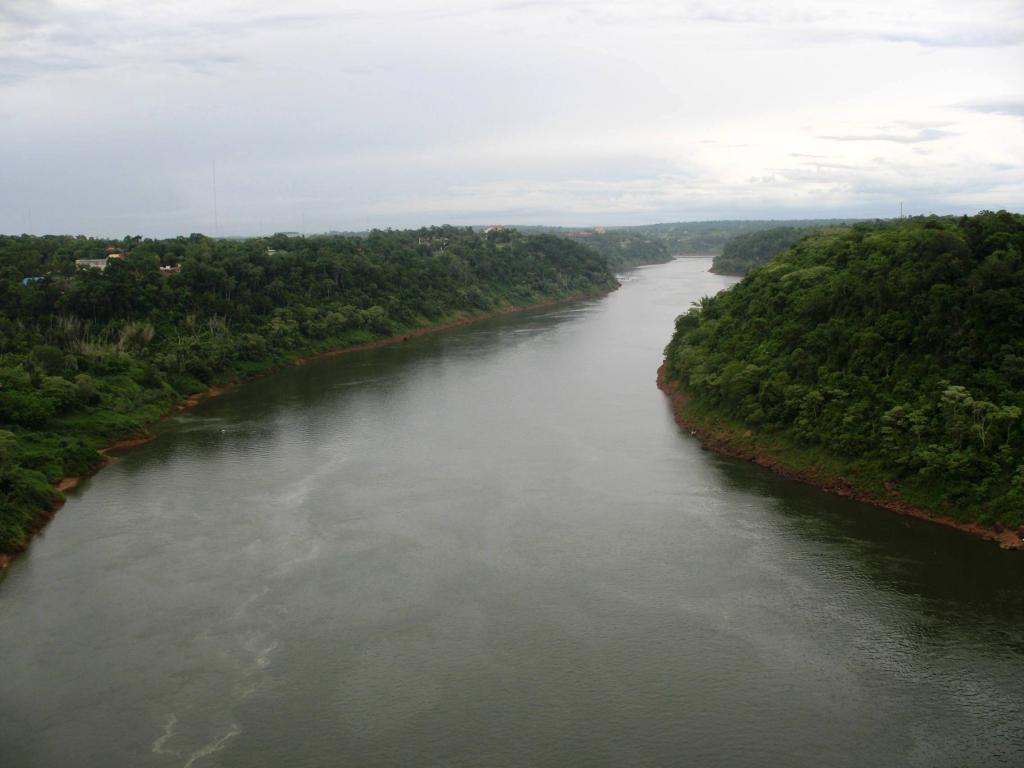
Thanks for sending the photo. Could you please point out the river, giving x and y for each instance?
(494, 547)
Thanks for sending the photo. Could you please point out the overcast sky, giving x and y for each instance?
(343, 115)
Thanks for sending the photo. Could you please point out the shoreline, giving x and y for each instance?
(726, 442)
(109, 453)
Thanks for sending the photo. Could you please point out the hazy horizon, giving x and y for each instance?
(348, 116)
(472, 225)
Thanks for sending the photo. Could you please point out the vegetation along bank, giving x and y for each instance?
(886, 359)
(99, 338)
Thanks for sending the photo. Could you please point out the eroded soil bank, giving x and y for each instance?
(726, 441)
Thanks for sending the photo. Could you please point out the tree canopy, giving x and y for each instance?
(752, 249)
(94, 352)
(896, 347)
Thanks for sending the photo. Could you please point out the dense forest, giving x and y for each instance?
(91, 351)
(891, 352)
(632, 246)
(624, 250)
(752, 249)
(711, 237)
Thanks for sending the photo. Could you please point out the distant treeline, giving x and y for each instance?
(626, 247)
(710, 237)
(94, 351)
(621, 248)
(752, 249)
(893, 352)
(624, 250)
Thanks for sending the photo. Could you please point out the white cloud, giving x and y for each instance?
(1011, 107)
(336, 115)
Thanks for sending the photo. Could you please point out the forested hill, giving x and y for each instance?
(894, 352)
(752, 249)
(704, 237)
(623, 249)
(94, 350)
(626, 247)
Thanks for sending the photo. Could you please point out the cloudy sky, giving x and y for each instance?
(348, 114)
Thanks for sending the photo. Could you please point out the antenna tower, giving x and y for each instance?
(216, 219)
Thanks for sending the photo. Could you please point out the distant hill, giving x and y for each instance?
(710, 237)
(626, 247)
(752, 249)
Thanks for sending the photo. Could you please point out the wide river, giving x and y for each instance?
(494, 547)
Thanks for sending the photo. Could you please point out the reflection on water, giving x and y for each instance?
(938, 565)
(494, 547)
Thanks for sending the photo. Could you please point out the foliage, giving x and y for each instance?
(87, 356)
(752, 249)
(626, 247)
(623, 249)
(898, 348)
(704, 237)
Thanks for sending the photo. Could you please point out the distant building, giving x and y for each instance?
(30, 280)
(100, 264)
(494, 228)
(170, 269)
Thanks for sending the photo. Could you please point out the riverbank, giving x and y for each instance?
(109, 453)
(723, 439)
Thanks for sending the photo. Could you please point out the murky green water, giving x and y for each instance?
(493, 547)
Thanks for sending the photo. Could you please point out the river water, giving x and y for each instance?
(494, 547)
